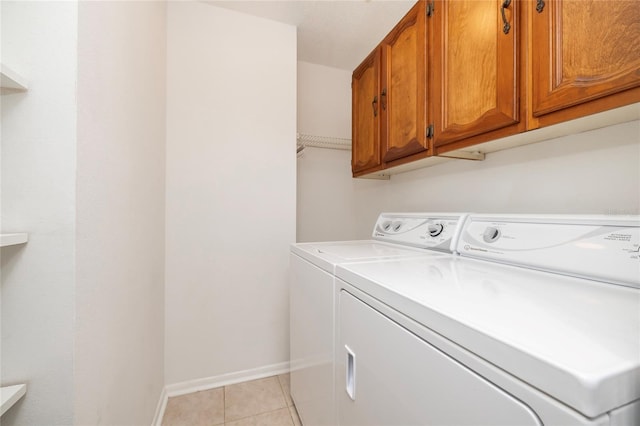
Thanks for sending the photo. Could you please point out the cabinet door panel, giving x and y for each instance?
(474, 68)
(583, 50)
(403, 93)
(366, 114)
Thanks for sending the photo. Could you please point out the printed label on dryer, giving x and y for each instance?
(618, 237)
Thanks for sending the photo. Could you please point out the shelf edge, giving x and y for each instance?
(11, 395)
(10, 81)
(13, 239)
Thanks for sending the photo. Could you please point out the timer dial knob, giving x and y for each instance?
(491, 234)
(435, 229)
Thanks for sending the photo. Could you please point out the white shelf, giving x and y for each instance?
(13, 239)
(11, 395)
(10, 81)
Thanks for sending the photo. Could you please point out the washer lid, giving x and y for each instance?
(575, 339)
(327, 255)
(394, 235)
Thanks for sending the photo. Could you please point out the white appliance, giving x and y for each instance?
(537, 322)
(313, 294)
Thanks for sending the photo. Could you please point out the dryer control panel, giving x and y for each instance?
(437, 231)
(603, 248)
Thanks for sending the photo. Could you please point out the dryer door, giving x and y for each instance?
(389, 376)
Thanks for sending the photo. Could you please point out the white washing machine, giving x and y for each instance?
(313, 294)
(537, 322)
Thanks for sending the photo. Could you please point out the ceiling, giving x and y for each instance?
(338, 33)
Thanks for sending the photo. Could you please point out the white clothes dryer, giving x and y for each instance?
(537, 322)
(313, 294)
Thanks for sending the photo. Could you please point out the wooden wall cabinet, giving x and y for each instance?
(475, 68)
(585, 57)
(459, 75)
(389, 101)
(404, 87)
(365, 111)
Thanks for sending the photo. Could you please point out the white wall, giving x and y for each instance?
(119, 344)
(591, 172)
(327, 201)
(230, 207)
(595, 172)
(39, 40)
(324, 100)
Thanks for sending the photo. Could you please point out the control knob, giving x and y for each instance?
(491, 234)
(435, 229)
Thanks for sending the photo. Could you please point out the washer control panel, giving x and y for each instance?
(604, 248)
(437, 231)
(491, 234)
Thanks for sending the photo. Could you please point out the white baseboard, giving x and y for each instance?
(162, 405)
(196, 385)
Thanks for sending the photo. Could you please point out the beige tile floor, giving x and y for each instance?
(262, 402)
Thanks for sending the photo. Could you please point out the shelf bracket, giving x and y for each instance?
(464, 155)
(376, 176)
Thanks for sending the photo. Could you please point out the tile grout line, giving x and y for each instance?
(286, 406)
(224, 390)
(293, 422)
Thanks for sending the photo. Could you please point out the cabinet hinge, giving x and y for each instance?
(430, 9)
(430, 131)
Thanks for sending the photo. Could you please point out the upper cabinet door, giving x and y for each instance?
(366, 114)
(403, 94)
(583, 50)
(475, 68)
